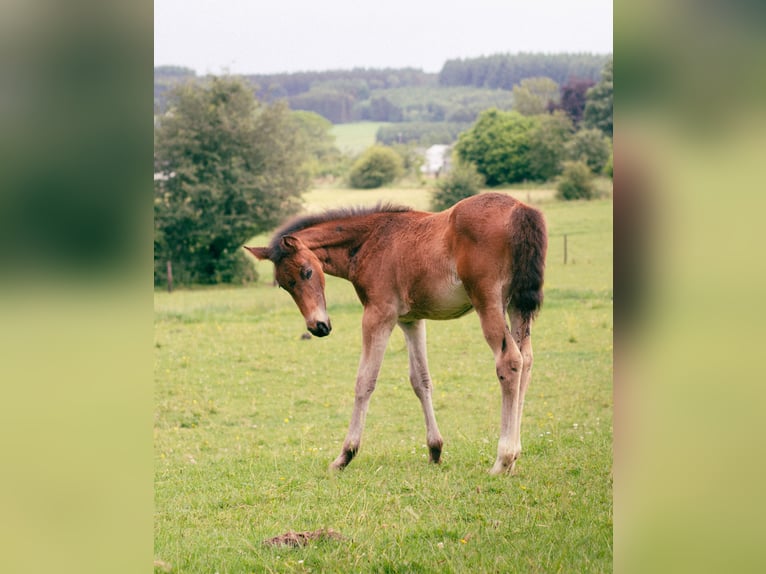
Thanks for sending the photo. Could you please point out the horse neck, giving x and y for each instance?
(334, 242)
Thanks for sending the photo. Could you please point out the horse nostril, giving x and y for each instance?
(323, 329)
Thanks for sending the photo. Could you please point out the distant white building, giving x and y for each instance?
(437, 160)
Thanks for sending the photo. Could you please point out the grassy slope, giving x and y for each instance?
(248, 416)
(355, 137)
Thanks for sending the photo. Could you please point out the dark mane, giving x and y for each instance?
(309, 220)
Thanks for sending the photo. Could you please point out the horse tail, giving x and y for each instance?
(529, 243)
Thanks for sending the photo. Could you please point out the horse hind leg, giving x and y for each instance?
(508, 365)
(522, 336)
(420, 379)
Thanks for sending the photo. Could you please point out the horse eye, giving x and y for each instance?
(306, 273)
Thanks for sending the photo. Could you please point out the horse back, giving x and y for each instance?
(437, 265)
(499, 246)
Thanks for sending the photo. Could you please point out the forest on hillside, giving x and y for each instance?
(444, 103)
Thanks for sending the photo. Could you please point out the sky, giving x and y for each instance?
(272, 36)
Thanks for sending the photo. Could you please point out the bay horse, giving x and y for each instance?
(486, 252)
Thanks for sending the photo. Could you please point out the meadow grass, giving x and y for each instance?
(355, 137)
(248, 417)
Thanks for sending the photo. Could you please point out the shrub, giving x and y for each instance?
(590, 146)
(411, 159)
(609, 167)
(547, 149)
(377, 166)
(497, 144)
(507, 147)
(463, 181)
(576, 181)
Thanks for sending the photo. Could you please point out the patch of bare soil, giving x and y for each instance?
(302, 538)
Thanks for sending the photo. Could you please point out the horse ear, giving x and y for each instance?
(259, 252)
(290, 243)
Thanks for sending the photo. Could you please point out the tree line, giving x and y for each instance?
(503, 71)
(456, 94)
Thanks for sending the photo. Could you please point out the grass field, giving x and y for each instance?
(356, 137)
(248, 416)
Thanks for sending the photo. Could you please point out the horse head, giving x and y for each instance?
(299, 272)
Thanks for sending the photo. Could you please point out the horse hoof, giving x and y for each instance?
(345, 457)
(502, 468)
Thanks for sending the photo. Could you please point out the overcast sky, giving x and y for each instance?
(267, 36)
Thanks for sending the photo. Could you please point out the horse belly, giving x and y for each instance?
(453, 303)
(449, 302)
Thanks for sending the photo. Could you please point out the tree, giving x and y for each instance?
(314, 132)
(381, 109)
(507, 147)
(497, 145)
(599, 102)
(461, 182)
(337, 106)
(227, 168)
(548, 141)
(573, 97)
(590, 146)
(377, 166)
(532, 96)
(503, 71)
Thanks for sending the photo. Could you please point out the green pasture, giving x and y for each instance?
(248, 415)
(355, 137)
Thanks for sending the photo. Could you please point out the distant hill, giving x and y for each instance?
(452, 98)
(503, 71)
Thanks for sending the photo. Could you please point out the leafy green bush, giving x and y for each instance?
(590, 146)
(547, 145)
(497, 145)
(576, 181)
(463, 181)
(412, 159)
(377, 166)
(507, 147)
(609, 167)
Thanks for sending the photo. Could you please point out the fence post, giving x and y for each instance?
(170, 276)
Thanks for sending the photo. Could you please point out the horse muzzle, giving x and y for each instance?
(321, 329)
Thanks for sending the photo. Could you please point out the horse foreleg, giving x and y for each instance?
(420, 378)
(375, 334)
(508, 365)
